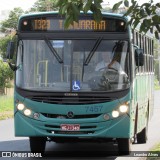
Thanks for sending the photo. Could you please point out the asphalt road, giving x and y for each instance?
(78, 151)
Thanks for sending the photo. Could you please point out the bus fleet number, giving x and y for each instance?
(41, 24)
(93, 109)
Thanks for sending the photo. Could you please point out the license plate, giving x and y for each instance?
(70, 127)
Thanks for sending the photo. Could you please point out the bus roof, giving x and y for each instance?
(57, 13)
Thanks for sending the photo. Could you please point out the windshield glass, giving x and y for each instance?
(72, 65)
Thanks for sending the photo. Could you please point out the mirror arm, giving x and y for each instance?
(12, 66)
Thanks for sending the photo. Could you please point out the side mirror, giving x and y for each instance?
(139, 57)
(10, 54)
(10, 50)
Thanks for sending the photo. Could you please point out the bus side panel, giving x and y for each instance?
(144, 101)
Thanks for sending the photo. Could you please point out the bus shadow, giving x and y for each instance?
(63, 151)
(81, 150)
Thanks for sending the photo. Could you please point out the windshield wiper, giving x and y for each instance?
(59, 59)
(86, 62)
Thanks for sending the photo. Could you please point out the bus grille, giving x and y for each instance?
(70, 100)
(75, 116)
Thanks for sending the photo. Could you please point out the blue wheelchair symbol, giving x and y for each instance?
(76, 85)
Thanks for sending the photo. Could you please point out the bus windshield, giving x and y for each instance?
(60, 65)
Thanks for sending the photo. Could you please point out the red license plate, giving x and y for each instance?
(70, 127)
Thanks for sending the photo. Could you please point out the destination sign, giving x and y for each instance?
(46, 24)
(86, 24)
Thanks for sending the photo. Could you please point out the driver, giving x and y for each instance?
(107, 63)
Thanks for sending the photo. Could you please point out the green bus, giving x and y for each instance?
(67, 90)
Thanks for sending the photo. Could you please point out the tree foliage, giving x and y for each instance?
(147, 14)
(71, 9)
(3, 45)
(11, 23)
(7, 26)
(6, 75)
(44, 5)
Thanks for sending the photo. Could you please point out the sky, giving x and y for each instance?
(26, 4)
(10, 4)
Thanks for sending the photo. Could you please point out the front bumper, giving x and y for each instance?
(89, 127)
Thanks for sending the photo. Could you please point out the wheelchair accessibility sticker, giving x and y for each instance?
(76, 85)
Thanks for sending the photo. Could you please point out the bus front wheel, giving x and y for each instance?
(124, 146)
(142, 136)
(37, 144)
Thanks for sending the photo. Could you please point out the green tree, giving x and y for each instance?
(11, 23)
(7, 26)
(147, 14)
(6, 75)
(44, 5)
(156, 57)
(3, 45)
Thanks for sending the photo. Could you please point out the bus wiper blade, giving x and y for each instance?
(93, 51)
(59, 59)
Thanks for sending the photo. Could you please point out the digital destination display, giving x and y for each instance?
(84, 24)
(43, 24)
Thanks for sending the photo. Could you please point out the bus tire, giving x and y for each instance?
(37, 144)
(124, 146)
(142, 136)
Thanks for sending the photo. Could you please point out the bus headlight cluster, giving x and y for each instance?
(122, 109)
(26, 111)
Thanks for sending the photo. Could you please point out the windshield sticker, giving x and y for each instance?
(76, 85)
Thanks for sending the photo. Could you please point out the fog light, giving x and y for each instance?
(36, 115)
(115, 114)
(20, 106)
(27, 112)
(106, 116)
(123, 108)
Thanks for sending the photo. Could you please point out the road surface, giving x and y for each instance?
(78, 151)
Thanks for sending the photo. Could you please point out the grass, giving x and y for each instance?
(156, 85)
(6, 107)
(155, 150)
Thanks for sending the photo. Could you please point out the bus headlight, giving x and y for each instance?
(115, 114)
(123, 108)
(20, 106)
(27, 112)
